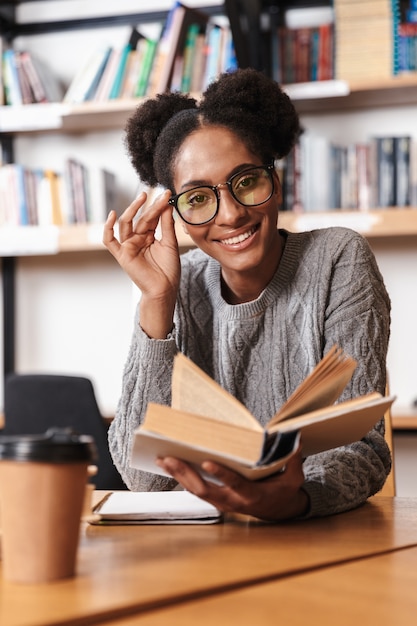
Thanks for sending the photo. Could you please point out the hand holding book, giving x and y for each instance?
(206, 423)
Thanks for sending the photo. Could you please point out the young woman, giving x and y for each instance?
(253, 305)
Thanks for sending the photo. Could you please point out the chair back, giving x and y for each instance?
(35, 402)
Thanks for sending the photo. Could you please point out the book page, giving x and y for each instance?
(321, 388)
(193, 391)
(338, 425)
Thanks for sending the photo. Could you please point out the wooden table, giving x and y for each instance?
(377, 590)
(128, 570)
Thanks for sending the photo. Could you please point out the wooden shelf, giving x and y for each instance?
(372, 224)
(395, 91)
(37, 240)
(308, 98)
(407, 420)
(61, 117)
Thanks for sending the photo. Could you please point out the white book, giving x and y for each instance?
(153, 507)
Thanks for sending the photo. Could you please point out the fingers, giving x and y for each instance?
(127, 217)
(146, 224)
(109, 239)
(183, 473)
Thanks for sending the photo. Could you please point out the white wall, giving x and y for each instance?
(75, 311)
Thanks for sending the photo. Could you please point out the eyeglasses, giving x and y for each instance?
(250, 187)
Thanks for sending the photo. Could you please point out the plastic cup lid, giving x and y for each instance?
(55, 446)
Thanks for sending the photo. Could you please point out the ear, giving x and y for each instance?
(184, 227)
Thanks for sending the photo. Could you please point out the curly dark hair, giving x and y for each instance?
(245, 101)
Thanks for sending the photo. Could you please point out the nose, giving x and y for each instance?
(230, 210)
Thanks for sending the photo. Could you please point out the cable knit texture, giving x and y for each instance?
(327, 290)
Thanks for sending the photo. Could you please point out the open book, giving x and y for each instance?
(205, 422)
(153, 507)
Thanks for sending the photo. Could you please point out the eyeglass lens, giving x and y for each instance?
(249, 188)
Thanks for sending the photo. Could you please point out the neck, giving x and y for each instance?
(241, 287)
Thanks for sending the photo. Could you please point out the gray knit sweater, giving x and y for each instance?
(327, 290)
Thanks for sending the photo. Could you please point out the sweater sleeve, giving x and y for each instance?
(358, 319)
(146, 378)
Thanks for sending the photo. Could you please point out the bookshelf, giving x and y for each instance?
(69, 122)
(307, 97)
(38, 240)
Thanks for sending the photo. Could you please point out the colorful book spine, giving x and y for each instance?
(146, 68)
(402, 152)
(13, 95)
(188, 56)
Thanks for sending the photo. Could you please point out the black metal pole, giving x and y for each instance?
(9, 266)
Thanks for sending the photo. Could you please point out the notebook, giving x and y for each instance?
(153, 507)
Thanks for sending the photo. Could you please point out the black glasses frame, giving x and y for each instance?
(173, 201)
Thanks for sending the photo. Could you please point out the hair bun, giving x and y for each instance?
(144, 126)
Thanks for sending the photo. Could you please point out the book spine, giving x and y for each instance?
(38, 92)
(22, 208)
(146, 69)
(385, 172)
(402, 149)
(12, 91)
(188, 56)
(363, 176)
(24, 85)
(213, 49)
(120, 73)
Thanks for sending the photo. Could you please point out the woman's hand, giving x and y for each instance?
(152, 264)
(275, 498)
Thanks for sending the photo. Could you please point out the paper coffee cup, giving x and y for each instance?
(42, 488)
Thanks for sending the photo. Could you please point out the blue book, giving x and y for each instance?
(411, 16)
(13, 94)
(91, 91)
(213, 53)
(117, 85)
(21, 199)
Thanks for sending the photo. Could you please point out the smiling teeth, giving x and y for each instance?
(239, 238)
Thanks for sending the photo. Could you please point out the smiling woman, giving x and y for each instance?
(256, 307)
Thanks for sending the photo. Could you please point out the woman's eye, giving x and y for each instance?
(246, 181)
(197, 199)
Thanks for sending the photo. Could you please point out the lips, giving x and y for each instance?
(239, 238)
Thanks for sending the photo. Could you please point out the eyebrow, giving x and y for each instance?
(235, 170)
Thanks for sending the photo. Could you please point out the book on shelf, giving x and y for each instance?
(153, 507)
(213, 61)
(413, 174)
(87, 78)
(44, 85)
(171, 44)
(407, 46)
(383, 171)
(24, 84)
(363, 168)
(103, 194)
(188, 54)
(77, 190)
(49, 199)
(2, 48)
(302, 54)
(11, 84)
(402, 174)
(133, 65)
(205, 422)
(148, 56)
(117, 85)
(107, 78)
(366, 30)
